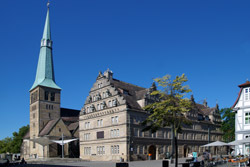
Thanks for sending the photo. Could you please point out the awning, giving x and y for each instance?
(216, 143)
(62, 142)
(42, 141)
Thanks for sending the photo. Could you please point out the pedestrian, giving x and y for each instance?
(248, 160)
(206, 158)
(195, 156)
(23, 161)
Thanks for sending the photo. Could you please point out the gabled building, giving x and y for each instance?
(47, 118)
(110, 129)
(242, 117)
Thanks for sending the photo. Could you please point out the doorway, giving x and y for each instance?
(152, 151)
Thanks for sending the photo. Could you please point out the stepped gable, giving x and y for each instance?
(130, 92)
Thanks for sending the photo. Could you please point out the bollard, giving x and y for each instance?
(165, 163)
(122, 164)
(185, 165)
(197, 164)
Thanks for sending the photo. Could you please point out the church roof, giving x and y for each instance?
(66, 112)
(45, 69)
(48, 127)
(27, 135)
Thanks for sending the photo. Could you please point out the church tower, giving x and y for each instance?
(44, 94)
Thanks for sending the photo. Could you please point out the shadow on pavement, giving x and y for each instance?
(39, 165)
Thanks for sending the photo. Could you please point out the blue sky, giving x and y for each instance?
(138, 40)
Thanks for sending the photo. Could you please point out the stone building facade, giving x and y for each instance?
(110, 129)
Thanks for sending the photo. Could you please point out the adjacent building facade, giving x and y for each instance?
(242, 117)
(110, 129)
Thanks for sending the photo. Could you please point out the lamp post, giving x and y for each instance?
(209, 131)
(62, 147)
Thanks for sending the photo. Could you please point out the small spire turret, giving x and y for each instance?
(205, 102)
(153, 87)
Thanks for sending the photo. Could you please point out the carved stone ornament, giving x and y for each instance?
(90, 99)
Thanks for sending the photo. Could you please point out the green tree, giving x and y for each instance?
(5, 145)
(13, 144)
(170, 107)
(18, 139)
(228, 124)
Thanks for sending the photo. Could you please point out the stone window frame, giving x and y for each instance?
(100, 150)
(114, 149)
(87, 150)
(114, 133)
(114, 120)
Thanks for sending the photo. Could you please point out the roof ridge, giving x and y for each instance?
(129, 83)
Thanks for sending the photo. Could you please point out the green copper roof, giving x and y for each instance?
(46, 31)
(45, 69)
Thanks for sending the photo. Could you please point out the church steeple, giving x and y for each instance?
(45, 69)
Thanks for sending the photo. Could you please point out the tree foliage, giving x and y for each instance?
(13, 144)
(228, 124)
(170, 107)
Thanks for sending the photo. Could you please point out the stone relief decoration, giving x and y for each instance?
(92, 108)
(115, 102)
(99, 75)
(103, 105)
(108, 93)
(83, 110)
(90, 99)
(98, 96)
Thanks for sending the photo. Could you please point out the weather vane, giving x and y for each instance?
(48, 3)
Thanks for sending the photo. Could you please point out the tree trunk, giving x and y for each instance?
(176, 152)
(173, 141)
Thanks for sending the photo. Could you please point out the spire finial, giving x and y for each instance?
(48, 3)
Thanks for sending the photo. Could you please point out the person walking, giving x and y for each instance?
(206, 158)
(195, 156)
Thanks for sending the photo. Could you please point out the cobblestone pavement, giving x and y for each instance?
(74, 163)
(58, 162)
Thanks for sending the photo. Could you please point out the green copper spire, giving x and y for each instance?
(45, 69)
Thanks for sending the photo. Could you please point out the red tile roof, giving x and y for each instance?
(245, 84)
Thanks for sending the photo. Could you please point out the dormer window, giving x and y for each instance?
(200, 117)
(125, 92)
(247, 93)
(207, 118)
